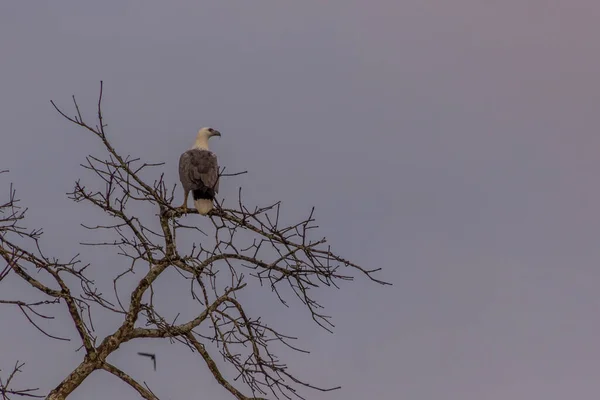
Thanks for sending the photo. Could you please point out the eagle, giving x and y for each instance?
(199, 172)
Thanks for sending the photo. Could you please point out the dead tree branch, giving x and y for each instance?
(240, 248)
(8, 393)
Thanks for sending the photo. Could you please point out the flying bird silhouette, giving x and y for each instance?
(151, 356)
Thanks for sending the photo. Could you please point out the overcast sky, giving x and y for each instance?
(455, 144)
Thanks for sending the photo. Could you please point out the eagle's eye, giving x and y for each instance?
(211, 130)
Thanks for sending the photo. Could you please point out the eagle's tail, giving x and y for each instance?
(203, 205)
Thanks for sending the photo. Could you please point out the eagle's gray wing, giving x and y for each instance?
(199, 170)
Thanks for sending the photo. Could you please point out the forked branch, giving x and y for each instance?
(236, 248)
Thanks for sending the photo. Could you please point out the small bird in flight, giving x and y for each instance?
(152, 357)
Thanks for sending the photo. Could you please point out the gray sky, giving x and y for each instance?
(454, 144)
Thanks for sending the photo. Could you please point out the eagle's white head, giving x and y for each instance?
(202, 138)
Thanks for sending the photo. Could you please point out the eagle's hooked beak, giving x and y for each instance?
(216, 133)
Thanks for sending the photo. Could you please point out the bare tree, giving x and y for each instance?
(283, 258)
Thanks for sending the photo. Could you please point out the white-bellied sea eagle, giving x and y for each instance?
(199, 172)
